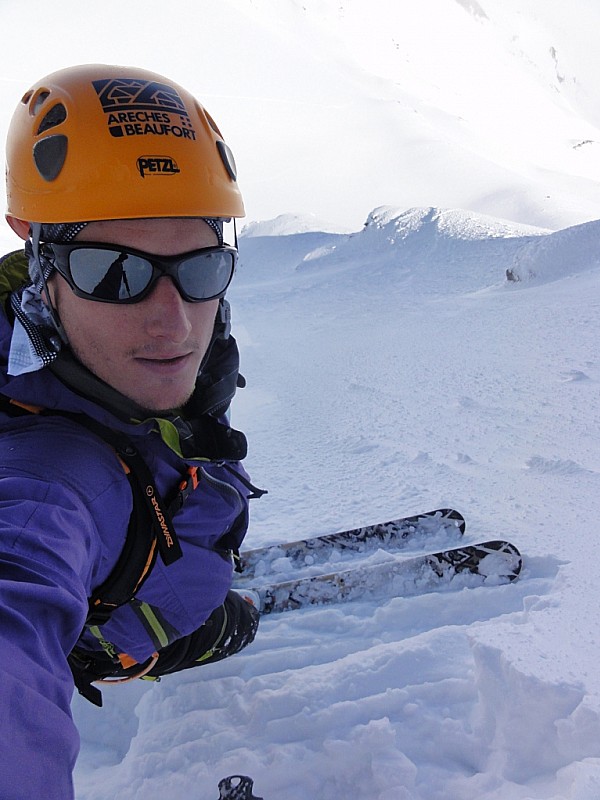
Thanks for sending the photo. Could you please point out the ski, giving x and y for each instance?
(237, 787)
(393, 535)
(493, 563)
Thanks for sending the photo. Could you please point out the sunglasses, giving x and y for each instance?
(109, 273)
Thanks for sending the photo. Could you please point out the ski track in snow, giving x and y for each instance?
(393, 371)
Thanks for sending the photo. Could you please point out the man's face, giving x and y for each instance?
(149, 351)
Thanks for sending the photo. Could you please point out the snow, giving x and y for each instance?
(393, 370)
(418, 314)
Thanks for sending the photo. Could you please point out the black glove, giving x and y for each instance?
(229, 629)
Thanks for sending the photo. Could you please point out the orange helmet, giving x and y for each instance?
(98, 142)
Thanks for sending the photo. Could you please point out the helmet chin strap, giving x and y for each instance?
(36, 231)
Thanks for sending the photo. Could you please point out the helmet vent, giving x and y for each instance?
(39, 101)
(227, 159)
(49, 155)
(54, 117)
(26, 97)
(212, 123)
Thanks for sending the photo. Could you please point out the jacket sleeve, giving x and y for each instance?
(47, 544)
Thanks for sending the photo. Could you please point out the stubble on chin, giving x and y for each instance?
(156, 409)
(150, 403)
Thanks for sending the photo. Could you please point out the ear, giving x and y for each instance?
(19, 226)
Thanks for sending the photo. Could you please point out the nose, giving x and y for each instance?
(166, 312)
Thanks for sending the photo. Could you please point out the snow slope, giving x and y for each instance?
(393, 370)
(390, 370)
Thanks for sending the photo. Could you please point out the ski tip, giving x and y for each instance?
(237, 787)
(452, 515)
(512, 558)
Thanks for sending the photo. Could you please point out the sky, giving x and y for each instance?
(334, 108)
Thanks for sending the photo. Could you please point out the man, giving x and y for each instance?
(119, 473)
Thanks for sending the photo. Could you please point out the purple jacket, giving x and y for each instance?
(65, 504)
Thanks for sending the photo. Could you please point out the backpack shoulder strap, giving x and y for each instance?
(13, 273)
(150, 531)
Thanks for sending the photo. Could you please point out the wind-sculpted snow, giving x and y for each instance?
(556, 255)
(390, 371)
(423, 249)
(465, 250)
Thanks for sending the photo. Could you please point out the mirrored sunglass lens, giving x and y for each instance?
(109, 274)
(206, 275)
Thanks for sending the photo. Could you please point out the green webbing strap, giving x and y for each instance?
(210, 653)
(159, 635)
(108, 647)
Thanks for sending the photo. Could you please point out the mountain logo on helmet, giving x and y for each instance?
(157, 165)
(138, 108)
(132, 94)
